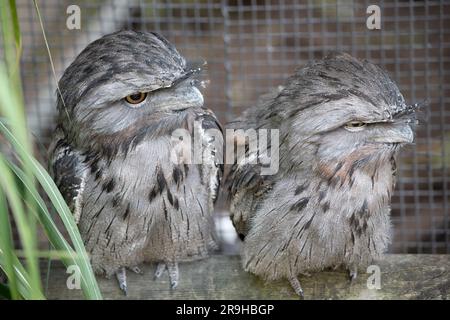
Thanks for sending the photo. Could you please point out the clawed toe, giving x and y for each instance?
(353, 274)
(159, 270)
(172, 270)
(137, 270)
(296, 286)
(121, 276)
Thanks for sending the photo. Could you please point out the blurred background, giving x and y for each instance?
(251, 46)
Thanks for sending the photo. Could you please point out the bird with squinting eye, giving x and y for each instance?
(341, 122)
(111, 156)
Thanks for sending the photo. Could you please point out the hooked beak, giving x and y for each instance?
(185, 92)
(400, 128)
(396, 133)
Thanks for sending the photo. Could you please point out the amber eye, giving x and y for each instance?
(355, 126)
(136, 97)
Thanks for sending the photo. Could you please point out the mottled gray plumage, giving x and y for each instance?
(341, 122)
(112, 160)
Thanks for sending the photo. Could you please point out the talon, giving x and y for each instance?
(137, 270)
(353, 274)
(121, 276)
(172, 268)
(159, 270)
(295, 284)
(124, 289)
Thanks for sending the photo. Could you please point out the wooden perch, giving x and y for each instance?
(404, 276)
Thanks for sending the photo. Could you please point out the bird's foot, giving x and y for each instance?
(172, 270)
(353, 274)
(121, 276)
(137, 270)
(295, 284)
(160, 268)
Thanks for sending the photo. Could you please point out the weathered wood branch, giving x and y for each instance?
(221, 277)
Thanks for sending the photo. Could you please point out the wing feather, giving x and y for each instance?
(212, 147)
(68, 172)
(245, 185)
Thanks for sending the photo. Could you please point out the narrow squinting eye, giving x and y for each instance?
(136, 98)
(355, 126)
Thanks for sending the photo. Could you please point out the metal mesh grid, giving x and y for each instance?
(253, 45)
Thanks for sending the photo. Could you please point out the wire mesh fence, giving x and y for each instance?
(251, 46)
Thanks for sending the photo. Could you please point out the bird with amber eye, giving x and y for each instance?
(132, 202)
(341, 124)
(136, 98)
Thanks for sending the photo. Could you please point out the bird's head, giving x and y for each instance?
(348, 115)
(123, 87)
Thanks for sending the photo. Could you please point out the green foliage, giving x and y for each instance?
(20, 180)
